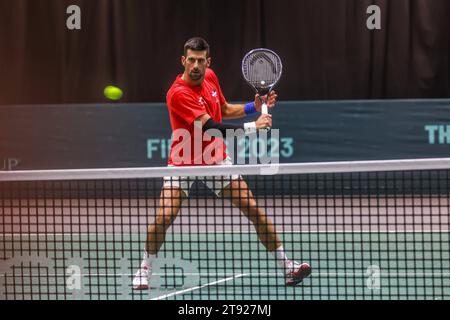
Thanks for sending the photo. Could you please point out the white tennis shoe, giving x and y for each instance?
(140, 280)
(296, 272)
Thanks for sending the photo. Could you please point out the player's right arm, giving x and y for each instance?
(186, 106)
(235, 111)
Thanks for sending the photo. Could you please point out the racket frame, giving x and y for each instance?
(264, 109)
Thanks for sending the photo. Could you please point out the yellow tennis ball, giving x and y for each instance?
(113, 93)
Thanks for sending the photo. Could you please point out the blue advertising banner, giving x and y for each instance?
(138, 135)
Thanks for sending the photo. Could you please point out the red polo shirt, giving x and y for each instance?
(187, 103)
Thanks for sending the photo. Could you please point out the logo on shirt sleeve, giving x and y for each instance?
(214, 95)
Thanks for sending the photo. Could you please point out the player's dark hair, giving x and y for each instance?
(196, 44)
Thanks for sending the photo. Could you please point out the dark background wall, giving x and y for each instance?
(327, 50)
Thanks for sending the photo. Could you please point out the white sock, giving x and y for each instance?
(148, 259)
(282, 259)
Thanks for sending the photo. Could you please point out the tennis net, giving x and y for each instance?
(368, 229)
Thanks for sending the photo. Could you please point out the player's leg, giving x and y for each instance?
(169, 207)
(242, 197)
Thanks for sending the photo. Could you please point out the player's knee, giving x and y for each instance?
(171, 204)
(171, 198)
(246, 203)
(165, 220)
(256, 217)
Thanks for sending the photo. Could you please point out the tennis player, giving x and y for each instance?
(195, 98)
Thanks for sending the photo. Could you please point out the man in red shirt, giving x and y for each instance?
(196, 104)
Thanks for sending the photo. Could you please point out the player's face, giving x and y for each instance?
(195, 64)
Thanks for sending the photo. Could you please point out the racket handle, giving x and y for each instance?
(264, 109)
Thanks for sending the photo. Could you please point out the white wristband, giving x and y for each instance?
(250, 127)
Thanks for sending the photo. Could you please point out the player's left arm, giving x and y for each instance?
(236, 111)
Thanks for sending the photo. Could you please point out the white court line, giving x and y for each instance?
(198, 287)
(382, 274)
(212, 275)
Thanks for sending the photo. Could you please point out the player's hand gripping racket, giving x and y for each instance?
(262, 69)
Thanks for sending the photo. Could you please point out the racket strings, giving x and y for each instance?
(262, 69)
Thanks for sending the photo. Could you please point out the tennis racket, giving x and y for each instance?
(262, 69)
